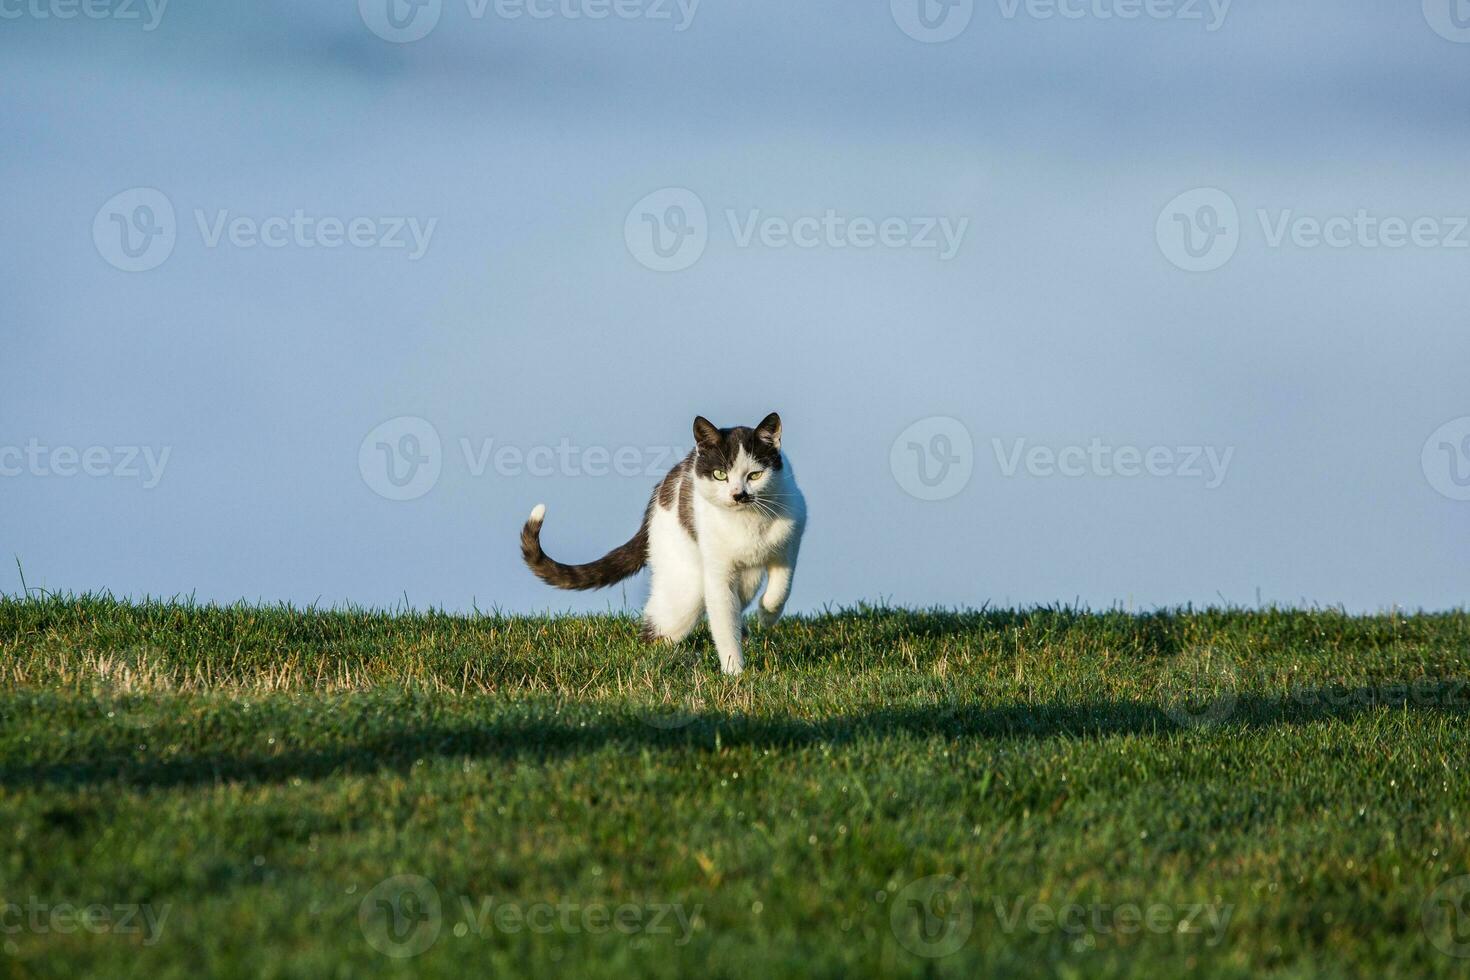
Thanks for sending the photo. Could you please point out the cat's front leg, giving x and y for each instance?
(773, 600)
(778, 586)
(722, 606)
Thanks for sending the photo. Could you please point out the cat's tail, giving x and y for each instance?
(611, 568)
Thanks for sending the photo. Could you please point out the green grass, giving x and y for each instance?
(1270, 792)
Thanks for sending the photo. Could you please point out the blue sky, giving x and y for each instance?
(1287, 423)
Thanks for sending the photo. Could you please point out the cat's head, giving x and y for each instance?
(738, 467)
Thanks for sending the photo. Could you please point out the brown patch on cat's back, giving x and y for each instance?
(686, 500)
(667, 493)
(676, 492)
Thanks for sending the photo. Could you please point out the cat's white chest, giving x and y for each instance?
(744, 539)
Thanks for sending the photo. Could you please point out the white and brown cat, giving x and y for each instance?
(726, 518)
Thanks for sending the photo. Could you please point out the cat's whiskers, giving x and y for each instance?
(763, 508)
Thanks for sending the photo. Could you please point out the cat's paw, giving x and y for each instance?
(767, 619)
(648, 633)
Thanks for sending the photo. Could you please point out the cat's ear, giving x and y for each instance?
(770, 430)
(705, 433)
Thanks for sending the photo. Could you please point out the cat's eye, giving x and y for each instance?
(721, 474)
(757, 474)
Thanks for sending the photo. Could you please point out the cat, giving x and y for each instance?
(726, 517)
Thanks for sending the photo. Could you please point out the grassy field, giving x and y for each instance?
(197, 791)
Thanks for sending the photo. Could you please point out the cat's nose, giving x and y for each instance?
(740, 496)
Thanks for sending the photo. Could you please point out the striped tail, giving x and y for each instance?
(611, 568)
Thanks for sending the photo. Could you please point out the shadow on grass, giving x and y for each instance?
(546, 739)
(1159, 634)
